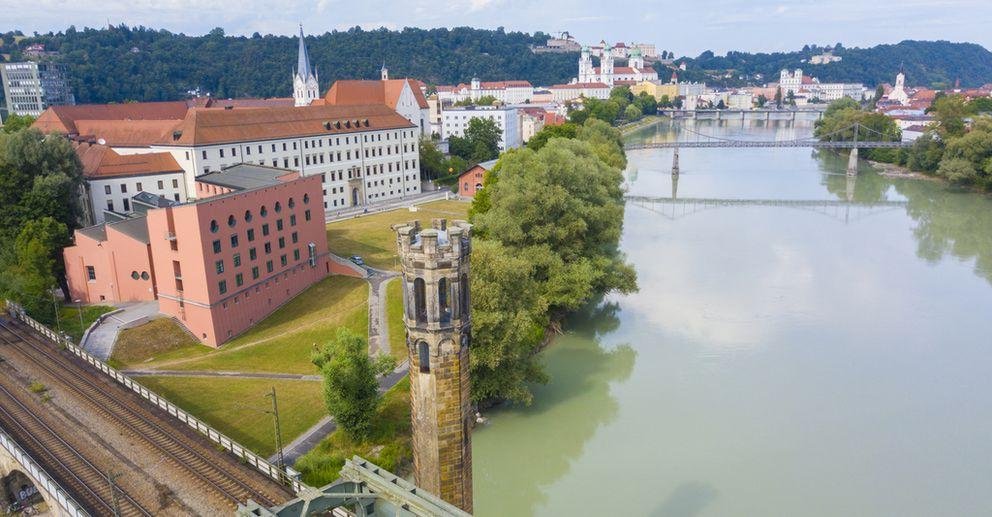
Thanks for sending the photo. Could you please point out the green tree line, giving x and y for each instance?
(547, 226)
(122, 63)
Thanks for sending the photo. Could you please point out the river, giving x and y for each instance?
(780, 358)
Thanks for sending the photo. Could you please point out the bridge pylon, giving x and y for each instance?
(852, 159)
(675, 162)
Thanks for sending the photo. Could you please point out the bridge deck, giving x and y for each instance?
(185, 472)
(815, 144)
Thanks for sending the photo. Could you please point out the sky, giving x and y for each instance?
(687, 27)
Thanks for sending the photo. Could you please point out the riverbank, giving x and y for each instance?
(891, 170)
(640, 124)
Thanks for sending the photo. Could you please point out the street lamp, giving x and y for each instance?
(79, 309)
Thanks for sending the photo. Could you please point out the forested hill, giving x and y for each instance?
(121, 63)
(937, 64)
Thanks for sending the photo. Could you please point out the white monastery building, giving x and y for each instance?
(609, 74)
(456, 119)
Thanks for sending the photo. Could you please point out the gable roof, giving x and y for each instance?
(63, 119)
(209, 126)
(354, 92)
(100, 161)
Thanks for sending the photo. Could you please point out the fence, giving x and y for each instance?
(39, 476)
(288, 476)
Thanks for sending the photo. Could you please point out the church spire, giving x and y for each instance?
(305, 84)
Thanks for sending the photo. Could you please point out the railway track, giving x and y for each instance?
(216, 471)
(88, 484)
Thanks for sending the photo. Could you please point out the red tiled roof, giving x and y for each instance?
(355, 92)
(126, 133)
(100, 161)
(572, 86)
(63, 119)
(209, 126)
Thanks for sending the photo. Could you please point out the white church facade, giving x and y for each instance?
(609, 74)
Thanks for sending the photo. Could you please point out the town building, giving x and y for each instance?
(809, 88)
(898, 93)
(560, 43)
(470, 181)
(455, 121)
(824, 58)
(506, 92)
(531, 121)
(254, 239)
(609, 74)
(402, 95)
(113, 180)
(32, 86)
(364, 154)
(572, 91)
(656, 89)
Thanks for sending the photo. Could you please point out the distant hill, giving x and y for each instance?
(937, 64)
(119, 64)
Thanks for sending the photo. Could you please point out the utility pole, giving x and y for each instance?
(275, 417)
(112, 478)
(58, 320)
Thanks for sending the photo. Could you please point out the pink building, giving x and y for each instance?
(253, 240)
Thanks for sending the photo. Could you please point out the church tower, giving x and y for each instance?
(636, 59)
(606, 67)
(384, 72)
(435, 264)
(305, 86)
(586, 72)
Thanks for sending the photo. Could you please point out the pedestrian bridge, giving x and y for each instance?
(674, 208)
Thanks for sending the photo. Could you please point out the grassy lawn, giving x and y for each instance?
(69, 319)
(283, 341)
(388, 446)
(372, 238)
(159, 339)
(237, 407)
(394, 317)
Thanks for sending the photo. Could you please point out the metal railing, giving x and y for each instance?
(288, 477)
(39, 476)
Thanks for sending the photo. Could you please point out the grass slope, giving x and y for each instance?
(372, 238)
(283, 341)
(388, 445)
(237, 407)
(160, 339)
(394, 320)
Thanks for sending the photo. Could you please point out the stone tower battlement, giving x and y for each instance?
(435, 275)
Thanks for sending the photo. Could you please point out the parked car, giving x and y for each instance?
(357, 260)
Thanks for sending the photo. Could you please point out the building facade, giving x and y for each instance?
(455, 121)
(402, 95)
(31, 87)
(572, 91)
(608, 73)
(254, 239)
(470, 181)
(435, 275)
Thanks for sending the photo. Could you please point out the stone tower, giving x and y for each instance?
(435, 264)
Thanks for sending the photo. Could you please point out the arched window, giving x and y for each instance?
(306, 199)
(292, 203)
(247, 216)
(420, 300)
(463, 297)
(214, 226)
(231, 221)
(264, 211)
(443, 300)
(278, 207)
(424, 357)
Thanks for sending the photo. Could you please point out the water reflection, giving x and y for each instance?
(567, 411)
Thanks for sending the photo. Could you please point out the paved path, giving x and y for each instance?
(378, 324)
(313, 436)
(101, 338)
(424, 197)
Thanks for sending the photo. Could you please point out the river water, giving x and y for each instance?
(782, 356)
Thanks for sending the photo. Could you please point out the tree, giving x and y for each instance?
(958, 171)
(480, 141)
(28, 273)
(16, 123)
(432, 161)
(351, 391)
(567, 130)
(761, 100)
(508, 320)
(778, 97)
(949, 111)
(631, 113)
(721, 105)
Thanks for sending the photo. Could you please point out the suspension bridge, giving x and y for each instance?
(853, 137)
(841, 210)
